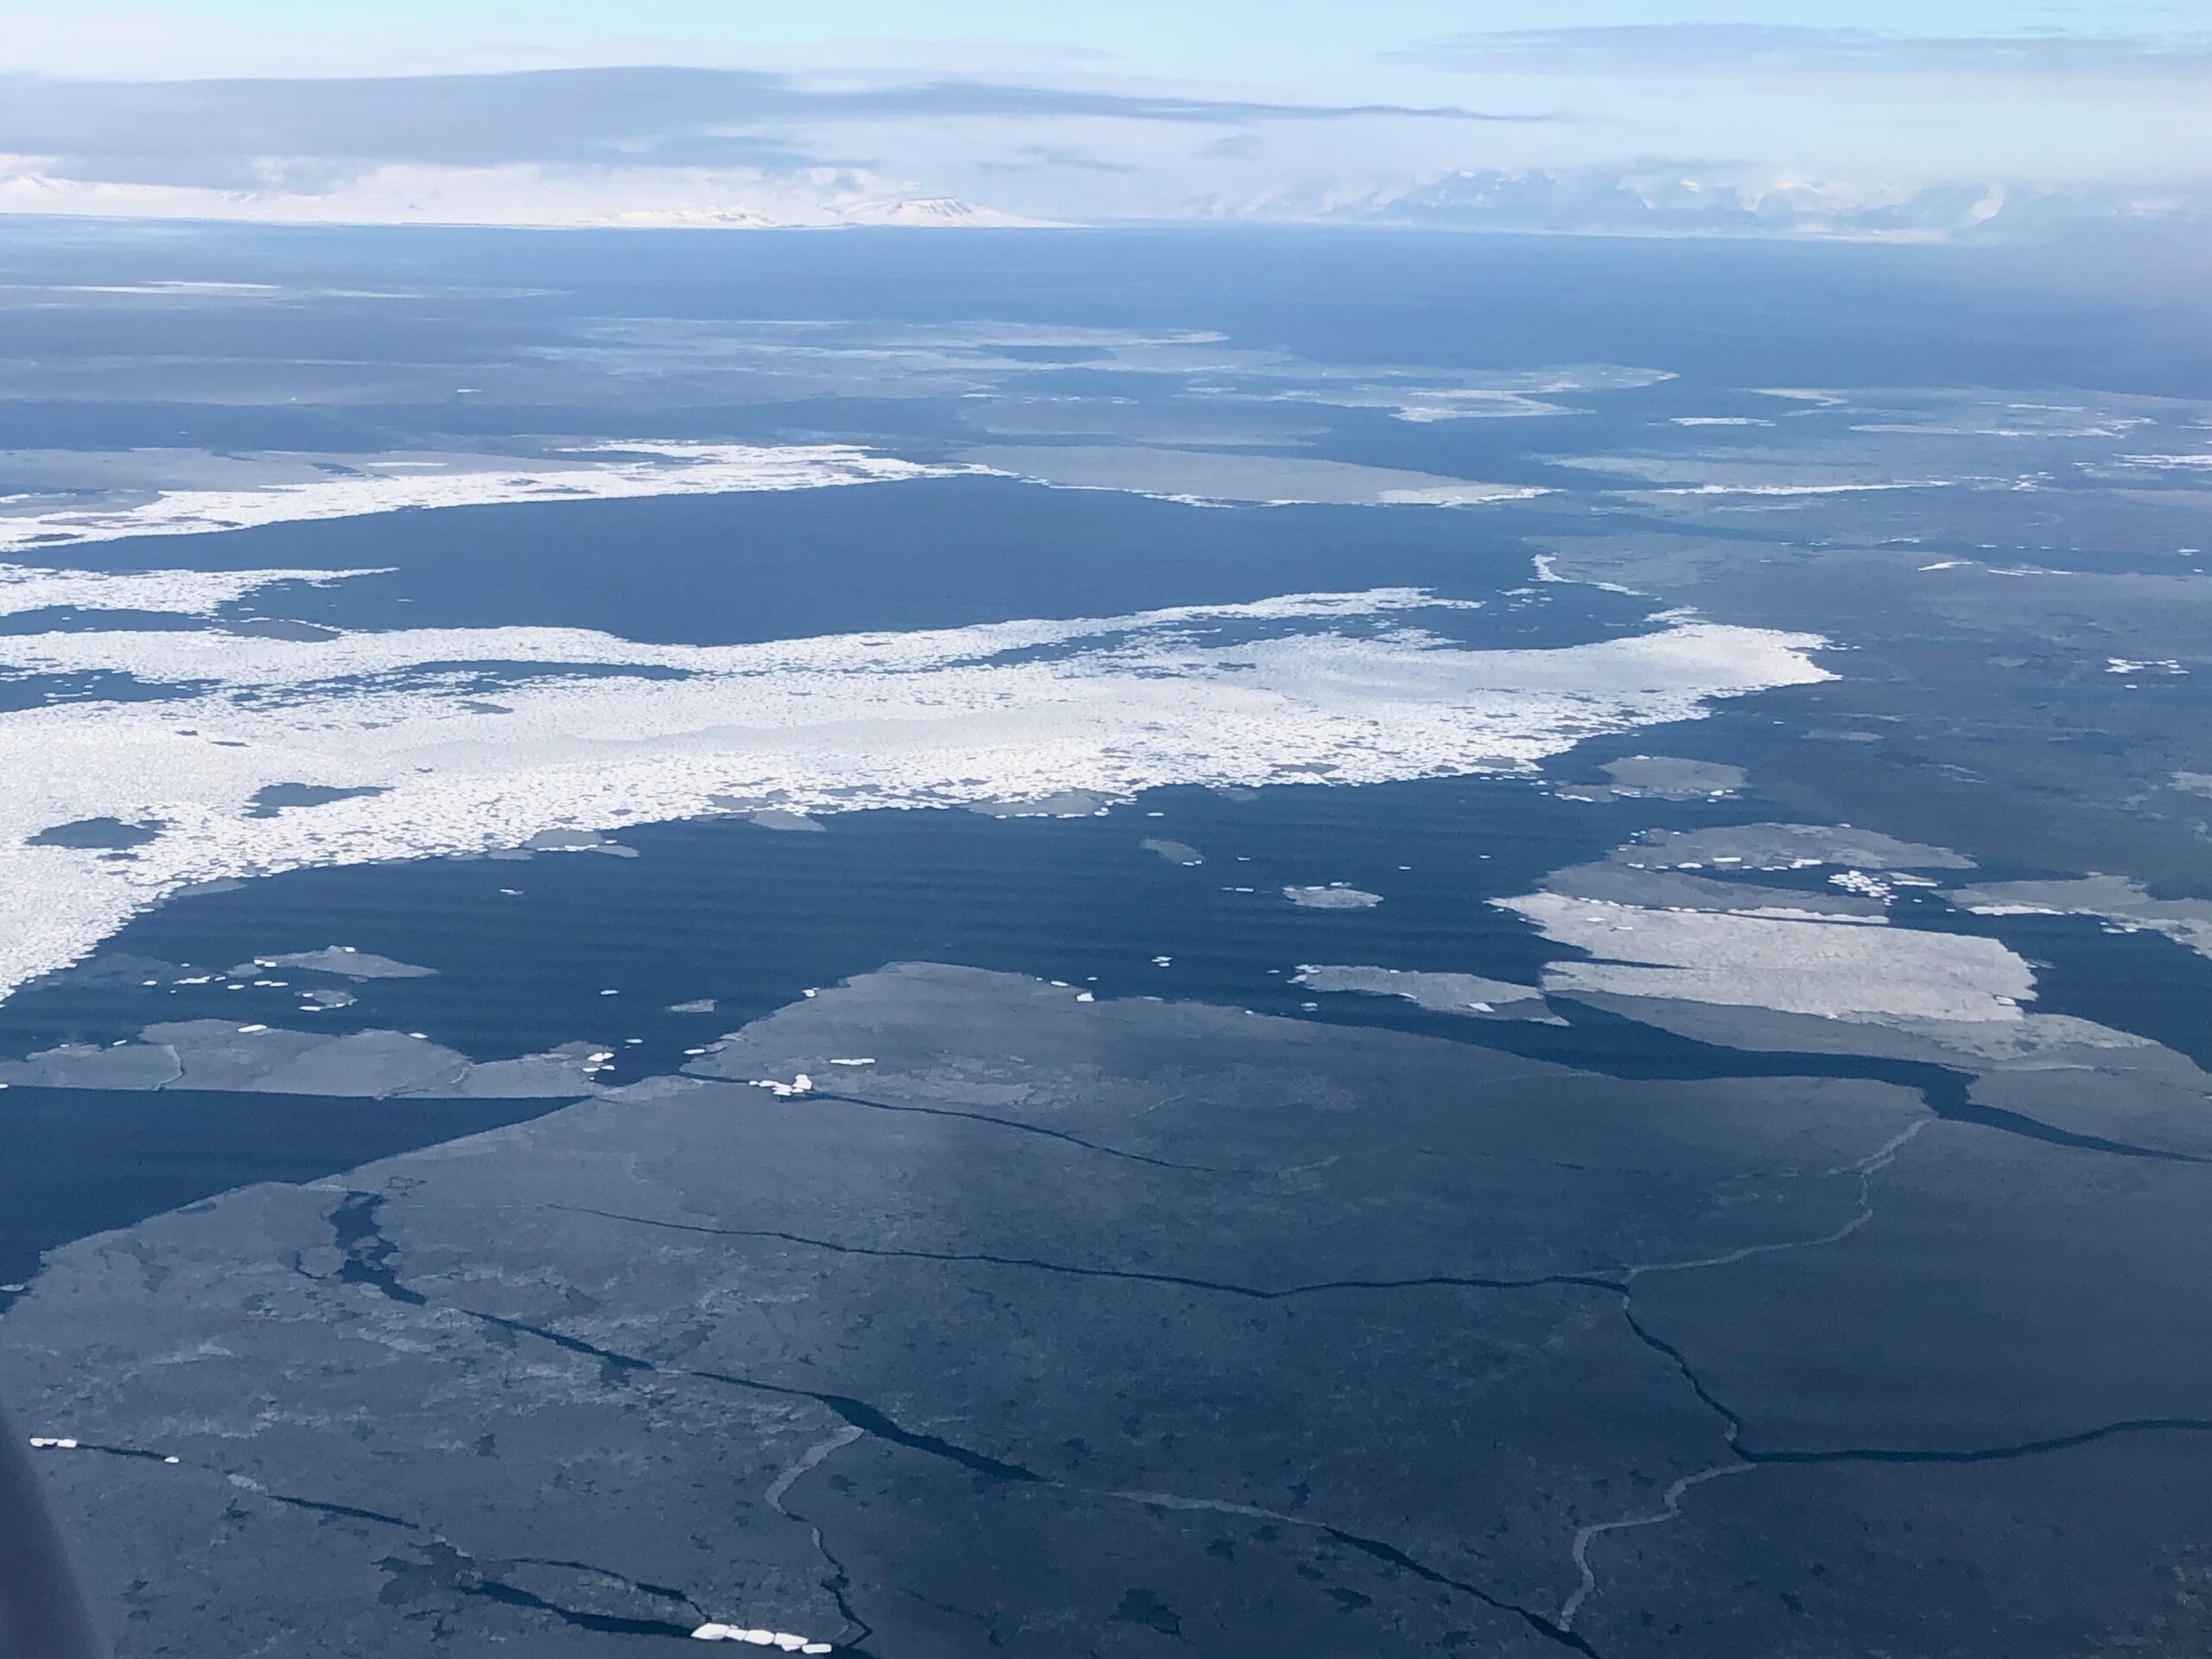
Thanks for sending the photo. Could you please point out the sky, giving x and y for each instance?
(1938, 117)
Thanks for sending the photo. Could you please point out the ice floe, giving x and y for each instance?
(2119, 901)
(1786, 846)
(341, 959)
(1462, 994)
(198, 1054)
(760, 1638)
(1812, 965)
(178, 593)
(1030, 711)
(1335, 896)
(602, 471)
(1660, 778)
(1208, 477)
(1547, 567)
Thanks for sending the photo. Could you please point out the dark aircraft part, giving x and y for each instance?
(43, 1612)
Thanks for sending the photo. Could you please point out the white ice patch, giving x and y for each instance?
(179, 593)
(759, 1637)
(1866, 885)
(591, 471)
(1548, 571)
(1837, 971)
(1801, 395)
(1005, 711)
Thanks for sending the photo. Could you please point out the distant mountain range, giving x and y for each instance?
(1655, 204)
(1645, 202)
(527, 196)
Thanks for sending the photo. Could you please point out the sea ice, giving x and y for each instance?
(591, 471)
(1463, 993)
(1335, 896)
(946, 717)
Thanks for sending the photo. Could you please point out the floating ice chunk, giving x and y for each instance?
(597, 471)
(859, 1062)
(1335, 896)
(1789, 847)
(1866, 884)
(1059, 804)
(1084, 996)
(1440, 993)
(1173, 852)
(345, 960)
(1162, 961)
(1834, 968)
(247, 1031)
(47, 1443)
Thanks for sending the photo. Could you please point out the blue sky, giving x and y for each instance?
(1321, 40)
(1134, 109)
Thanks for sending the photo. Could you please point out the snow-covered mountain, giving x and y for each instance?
(704, 199)
(1658, 204)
